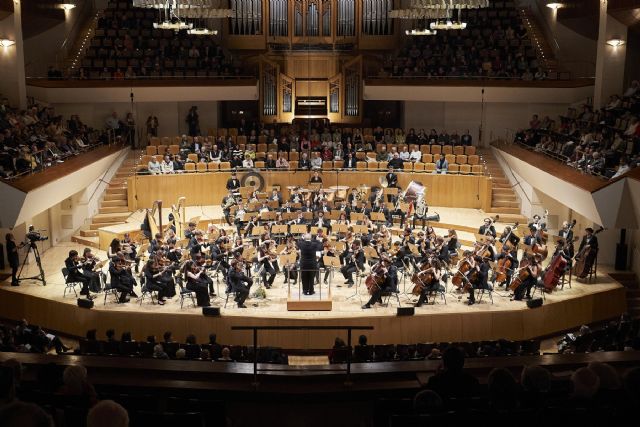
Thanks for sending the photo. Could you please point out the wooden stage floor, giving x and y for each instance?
(454, 321)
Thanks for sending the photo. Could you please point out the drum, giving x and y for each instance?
(253, 180)
(414, 191)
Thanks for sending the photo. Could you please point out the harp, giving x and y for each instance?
(156, 211)
(179, 212)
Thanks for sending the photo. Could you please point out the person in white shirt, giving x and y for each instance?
(154, 166)
(167, 165)
(337, 153)
(282, 163)
(404, 154)
(247, 162)
(632, 90)
(316, 162)
(416, 154)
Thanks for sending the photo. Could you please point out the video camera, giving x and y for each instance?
(35, 236)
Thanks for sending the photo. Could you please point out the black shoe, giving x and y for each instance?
(123, 300)
(418, 304)
(242, 306)
(15, 284)
(527, 297)
(346, 282)
(312, 292)
(471, 302)
(133, 294)
(364, 307)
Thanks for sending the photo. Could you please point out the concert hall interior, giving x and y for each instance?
(346, 212)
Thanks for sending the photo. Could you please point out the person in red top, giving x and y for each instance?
(327, 154)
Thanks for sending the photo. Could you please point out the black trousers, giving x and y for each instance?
(308, 276)
(290, 273)
(270, 272)
(347, 271)
(200, 288)
(376, 296)
(81, 278)
(242, 292)
(525, 287)
(14, 264)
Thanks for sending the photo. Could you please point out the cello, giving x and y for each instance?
(541, 248)
(375, 280)
(459, 277)
(522, 274)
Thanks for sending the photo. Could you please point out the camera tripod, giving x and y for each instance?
(33, 247)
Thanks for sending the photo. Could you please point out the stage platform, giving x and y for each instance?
(454, 321)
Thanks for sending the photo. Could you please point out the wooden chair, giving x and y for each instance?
(201, 167)
(418, 167)
(145, 159)
(174, 149)
(461, 159)
(361, 166)
(151, 150)
(162, 148)
(477, 169)
(222, 132)
(373, 166)
(154, 140)
(192, 157)
(293, 164)
(435, 149)
(262, 147)
(259, 164)
(470, 150)
(189, 167)
(430, 167)
(458, 150)
(425, 149)
(361, 155)
(294, 155)
(225, 166)
(454, 169)
(450, 158)
(427, 158)
(447, 149)
(465, 169)
(473, 159)
(213, 166)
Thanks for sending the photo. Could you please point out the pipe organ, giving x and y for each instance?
(308, 65)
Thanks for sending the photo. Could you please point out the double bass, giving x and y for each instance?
(522, 274)
(584, 259)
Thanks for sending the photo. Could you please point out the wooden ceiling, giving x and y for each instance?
(582, 16)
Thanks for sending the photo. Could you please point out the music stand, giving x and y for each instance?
(298, 228)
(279, 230)
(332, 262)
(357, 216)
(378, 217)
(339, 228)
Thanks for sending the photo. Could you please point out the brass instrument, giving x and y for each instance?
(383, 182)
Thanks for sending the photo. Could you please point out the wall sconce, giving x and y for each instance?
(615, 41)
(6, 42)
(67, 6)
(554, 5)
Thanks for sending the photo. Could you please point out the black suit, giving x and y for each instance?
(392, 180)
(308, 263)
(121, 279)
(304, 164)
(75, 275)
(270, 164)
(233, 184)
(349, 163)
(490, 232)
(237, 280)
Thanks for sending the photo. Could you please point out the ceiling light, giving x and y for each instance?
(615, 41)
(425, 32)
(6, 42)
(553, 5)
(448, 25)
(202, 32)
(67, 6)
(175, 26)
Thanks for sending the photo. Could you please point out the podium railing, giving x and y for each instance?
(256, 329)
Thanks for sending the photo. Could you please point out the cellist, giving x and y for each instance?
(509, 252)
(480, 279)
(380, 270)
(431, 281)
(535, 269)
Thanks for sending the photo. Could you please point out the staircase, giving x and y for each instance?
(504, 201)
(630, 281)
(113, 209)
(544, 52)
(83, 41)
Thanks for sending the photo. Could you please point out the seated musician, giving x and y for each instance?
(233, 183)
(174, 254)
(431, 281)
(188, 233)
(89, 262)
(290, 271)
(535, 270)
(480, 278)
(327, 250)
(239, 218)
(296, 197)
(452, 244)
(343, 218)
(509, 250)
(155, 244)
(392, 181)
(566, 232)
(267, 257)
(275, 197)
(298, 220)
(73, 266)
(441, 250)
(380, 272)
(239, 283)
(228, 201)
(153, 273)
(114, 248)
(251, 224)
(307, 206)
(195, 277)
(352, 198)
(121, 277)
(532, 238)
(354, 261)
(398, 212)
(265, 207)
(321, 222)
(197, 244)
(219, 255)
(537, 224)
(487, 229)
(287, 207)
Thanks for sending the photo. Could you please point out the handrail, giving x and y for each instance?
(87, 7)
(255, 330)
(516, 180)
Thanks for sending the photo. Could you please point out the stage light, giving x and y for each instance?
(6, 42)
(553, 5)
(615, 41)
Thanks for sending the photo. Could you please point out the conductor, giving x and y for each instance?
(308, 262)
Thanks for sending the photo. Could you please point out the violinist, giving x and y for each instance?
(480, 279)
(239, 220)
(287, 207)
(276, 197)
(290, 271)
(352, 198)
(535, 270)
(73, 266)
(239, 283)
(153, 275)
(191, 228)
(299, 220)
(324, 207)
(407, 237)
(121, 277)
(422, 243)
(89, 262)
(253, 222)
(238, 247)
(114, 248)
(267, 257)
(354, 260)
(130, 250)
(197, 244)
(430, 276)
(195, 277)
(487, 229)
(170, 237)
(441, 250)
(452, 242)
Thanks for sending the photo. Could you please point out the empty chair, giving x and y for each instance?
(189, 167)
(453, 168)
(470, 150)
(450, 158)
(361, 165)
(461, 159)
(447, 149)
(465, 169)
(458, 149)
(151, 150)
(429, 167)
(473, 159)
(477, 169)
(436, 149)
(418, 167)
(201, 167)
(213, 166)
(427, 158)
(225, 166)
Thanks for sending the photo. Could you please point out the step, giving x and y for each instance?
(114, 209)
(116, 190)
(93, 242)
(505, 204)
(88, 233)
(100, 225)
(500, 210)
(501, 191)
(118, 196)
(118, 181)
(508, 218)
(111, 217)
(114, 203)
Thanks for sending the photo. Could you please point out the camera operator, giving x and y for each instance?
(12, 255)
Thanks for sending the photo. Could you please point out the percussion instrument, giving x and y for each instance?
(414, 191)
